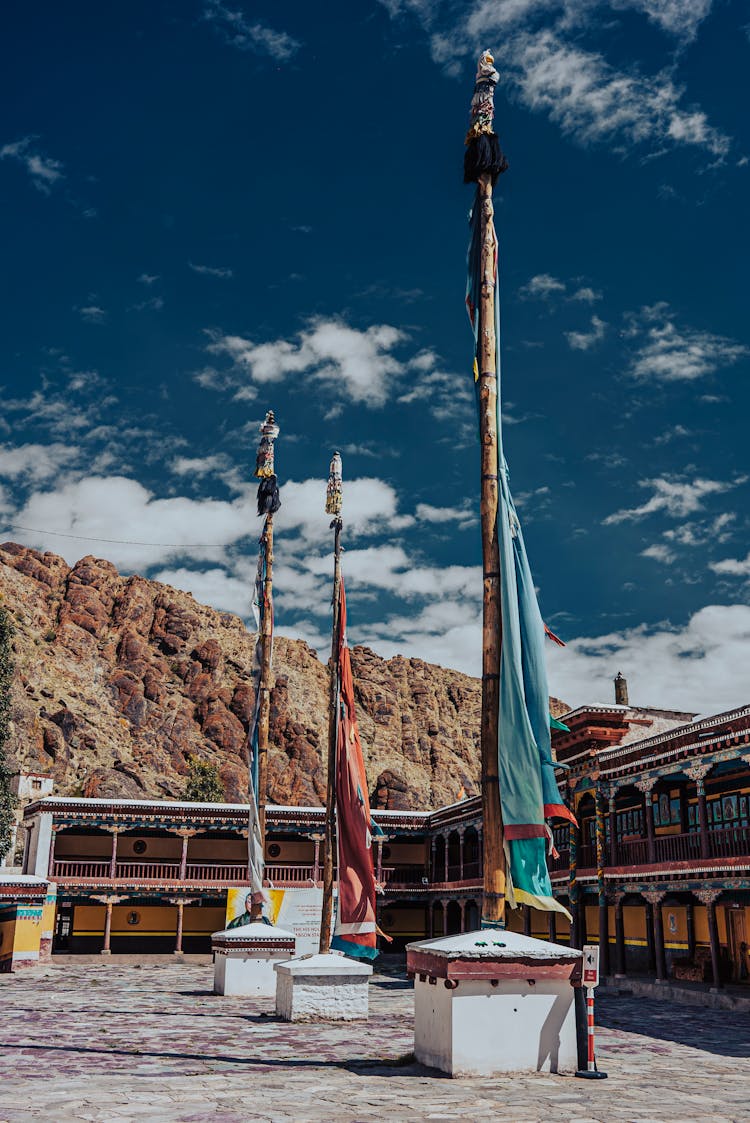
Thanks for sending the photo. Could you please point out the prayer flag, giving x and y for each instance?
(355, 930)
(528, 787)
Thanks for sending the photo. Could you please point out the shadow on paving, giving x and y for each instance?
(722, 1032)
(388, 1066)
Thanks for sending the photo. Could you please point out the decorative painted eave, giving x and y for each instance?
(725, 724)
(22, 887)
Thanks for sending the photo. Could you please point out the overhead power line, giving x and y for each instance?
(118, 541)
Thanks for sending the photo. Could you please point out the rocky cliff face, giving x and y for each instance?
(119, 680)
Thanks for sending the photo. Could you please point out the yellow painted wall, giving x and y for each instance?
(28, 933)
(634, 924)
(7, 933)
(154, 920)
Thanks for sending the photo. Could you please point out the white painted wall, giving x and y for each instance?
(481, 1030)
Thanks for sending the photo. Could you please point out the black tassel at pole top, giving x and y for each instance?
(483, 153)
(269, 500)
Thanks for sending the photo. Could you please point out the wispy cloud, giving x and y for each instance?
(43, 170)
(541, 287)
(668, 353)
(211, 270)
(148, 278)
(93, 314)
(584, 341)
(541, 46)
(675, 498)
(250, 35)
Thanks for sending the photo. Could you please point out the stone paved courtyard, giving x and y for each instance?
(108, 1042)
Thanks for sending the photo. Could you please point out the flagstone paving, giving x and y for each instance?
(111, 1043)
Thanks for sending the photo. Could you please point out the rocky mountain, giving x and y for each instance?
(119, 680)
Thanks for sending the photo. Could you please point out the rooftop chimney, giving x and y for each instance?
(621, 689)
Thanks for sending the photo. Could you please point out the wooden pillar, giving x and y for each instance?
(183, 856)
(433, 847)
(178, 937)
(51, 863)
(703, 817)
(316, 859)
(620, 965)
(573, 890)
(655, 900)
(601, 862)
(709, 899)
(690, 924)
(461, 856)
(526, 920)
(494, 873)
(431, 919)
(379, 861)
(650, 946)
(107, 926)
(648, 811)
(612, 826)
(552, 927)
(113, 859)
(582, 928)
(462, 911)
(445, 854)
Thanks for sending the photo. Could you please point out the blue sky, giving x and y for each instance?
(211, 209)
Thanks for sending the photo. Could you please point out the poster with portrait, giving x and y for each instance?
(296, 910)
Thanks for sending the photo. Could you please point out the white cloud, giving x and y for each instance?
(35, 462)
(93, 314)
(583, 341)
(215, 586)
(676, 498)
(666, 353)
(540, 46)
(358, 364)
(541, 287)
(700, 666)
(659, 552)
(239, 32)
(43, 170)
(733, 567)
(148, 278)
(211, 270)
(199, 465)
(586, 294)
(464, 516)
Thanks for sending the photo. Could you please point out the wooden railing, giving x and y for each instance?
(677, 847)
(403, 875)
(729, 842)
(92, 868)
(633, 852)
(292, 875)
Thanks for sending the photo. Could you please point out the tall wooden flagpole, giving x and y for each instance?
(268, 504)
(482, 163)
(333, 507)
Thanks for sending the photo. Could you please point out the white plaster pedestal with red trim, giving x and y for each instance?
(493, 1002)
(244, 958)
(323, 988)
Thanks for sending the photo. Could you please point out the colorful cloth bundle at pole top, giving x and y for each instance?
(528, 787)
(483, 154)
(334, 490)
(355, 932)
(268, 488)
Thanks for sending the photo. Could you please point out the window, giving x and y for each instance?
(140, 846)
(36, 785)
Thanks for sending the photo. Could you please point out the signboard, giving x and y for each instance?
(297, 910)
(590, 965)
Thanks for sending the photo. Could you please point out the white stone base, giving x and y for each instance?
(244, 959)
(491, 1002)
(322, 988)
(481, 1030)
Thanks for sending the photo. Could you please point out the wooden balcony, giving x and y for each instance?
(727, 842)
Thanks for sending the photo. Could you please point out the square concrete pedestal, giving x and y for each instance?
(317, 988)
(493, 1002)
(244, 958)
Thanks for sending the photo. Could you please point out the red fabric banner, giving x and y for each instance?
(355, 931)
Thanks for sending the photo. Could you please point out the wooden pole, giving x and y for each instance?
(333, 731)
(264, 711)
(493, 900)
